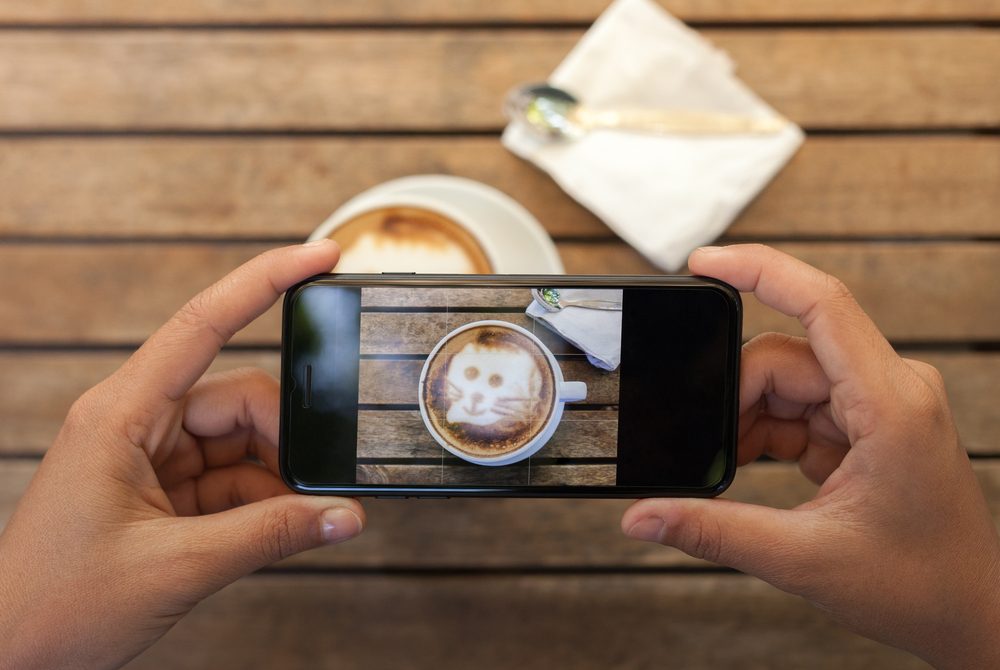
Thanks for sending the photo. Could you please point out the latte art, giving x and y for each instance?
(488, 391)
(487, 384)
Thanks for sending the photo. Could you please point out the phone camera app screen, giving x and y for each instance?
(487, 386)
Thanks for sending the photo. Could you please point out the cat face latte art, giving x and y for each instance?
(492, 393)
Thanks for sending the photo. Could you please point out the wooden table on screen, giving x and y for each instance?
(394, 445)
(146, 149)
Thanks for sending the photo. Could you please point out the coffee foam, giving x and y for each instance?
(489, 391)
(408, 239)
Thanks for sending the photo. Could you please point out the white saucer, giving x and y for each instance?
(520, 243)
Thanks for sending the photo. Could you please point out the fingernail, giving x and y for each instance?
(709, 249)
(339, 524)
(649, 529)
(318, 243)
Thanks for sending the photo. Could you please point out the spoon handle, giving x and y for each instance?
(670, 122)
(593, 304)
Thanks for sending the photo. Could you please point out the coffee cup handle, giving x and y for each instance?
(572, 391)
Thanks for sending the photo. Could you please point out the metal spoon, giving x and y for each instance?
(550, 299)
(556, 114)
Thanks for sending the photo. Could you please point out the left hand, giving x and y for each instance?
(147, 503)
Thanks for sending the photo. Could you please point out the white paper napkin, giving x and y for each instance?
(665, 195)
(596, 332)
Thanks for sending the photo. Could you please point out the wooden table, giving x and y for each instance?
(147, 148)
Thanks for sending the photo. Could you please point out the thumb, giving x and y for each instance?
(769, 543)
(241, 540)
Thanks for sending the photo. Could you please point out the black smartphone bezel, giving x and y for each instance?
(681, 282)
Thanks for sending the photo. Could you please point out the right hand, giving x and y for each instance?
(898, 543)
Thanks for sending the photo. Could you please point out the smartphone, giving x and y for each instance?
(435, 386)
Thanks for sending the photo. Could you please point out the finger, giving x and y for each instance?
(779, 365)
(227, 418)
(769, 543)
(236, 415)
(222, 403)
(219, 489)
(778, 438)
(817, 455)
(240, 446)
(231, 544)
(181, 350)
(820, 459)
(848, 346)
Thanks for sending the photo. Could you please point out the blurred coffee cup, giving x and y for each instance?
(407, 233)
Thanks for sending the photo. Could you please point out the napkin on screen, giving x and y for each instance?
(663, 194)
(596, 332)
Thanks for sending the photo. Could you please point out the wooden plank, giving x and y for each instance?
(517, 533)
(282, 188)
(278, 80)
(417, 333)
(518, 474)
(402, 434)
(532, 622)
(36, 390)
(515, 299)
(550, 533)
(974, 395)
(118, 293)
(913, 291)
(395, 382)
(394, 12)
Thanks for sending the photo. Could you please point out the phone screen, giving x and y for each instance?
(539, 388)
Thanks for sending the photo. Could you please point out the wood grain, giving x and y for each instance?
(118, 293)
(402, 434)
(36, 390)
(417, 333)
(517, 533)
(279, 80)
(516, 299)
(395, 12)
(697, 622)
(457, 474)
(395, 382)
(267, 188)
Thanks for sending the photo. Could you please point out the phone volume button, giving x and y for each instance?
(391, 497)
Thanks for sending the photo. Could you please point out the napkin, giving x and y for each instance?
(596, 332)
(663, 194)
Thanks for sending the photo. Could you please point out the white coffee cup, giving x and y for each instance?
(408, 262)
(563, 392)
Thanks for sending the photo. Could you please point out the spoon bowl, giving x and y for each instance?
(548, 110)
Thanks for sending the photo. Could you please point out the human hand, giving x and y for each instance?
(898, 543)
(146, 502)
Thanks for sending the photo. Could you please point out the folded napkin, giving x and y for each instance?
(596, 332)
(664, 194)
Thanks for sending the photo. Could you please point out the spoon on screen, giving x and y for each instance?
(550, 299)
(556, 114)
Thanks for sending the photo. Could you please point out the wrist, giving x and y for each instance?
(973, 639)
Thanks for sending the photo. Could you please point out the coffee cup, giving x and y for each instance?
(491, 393)
(407, 233)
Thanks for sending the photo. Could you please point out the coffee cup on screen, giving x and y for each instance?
(407, 233)
(492, 394)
